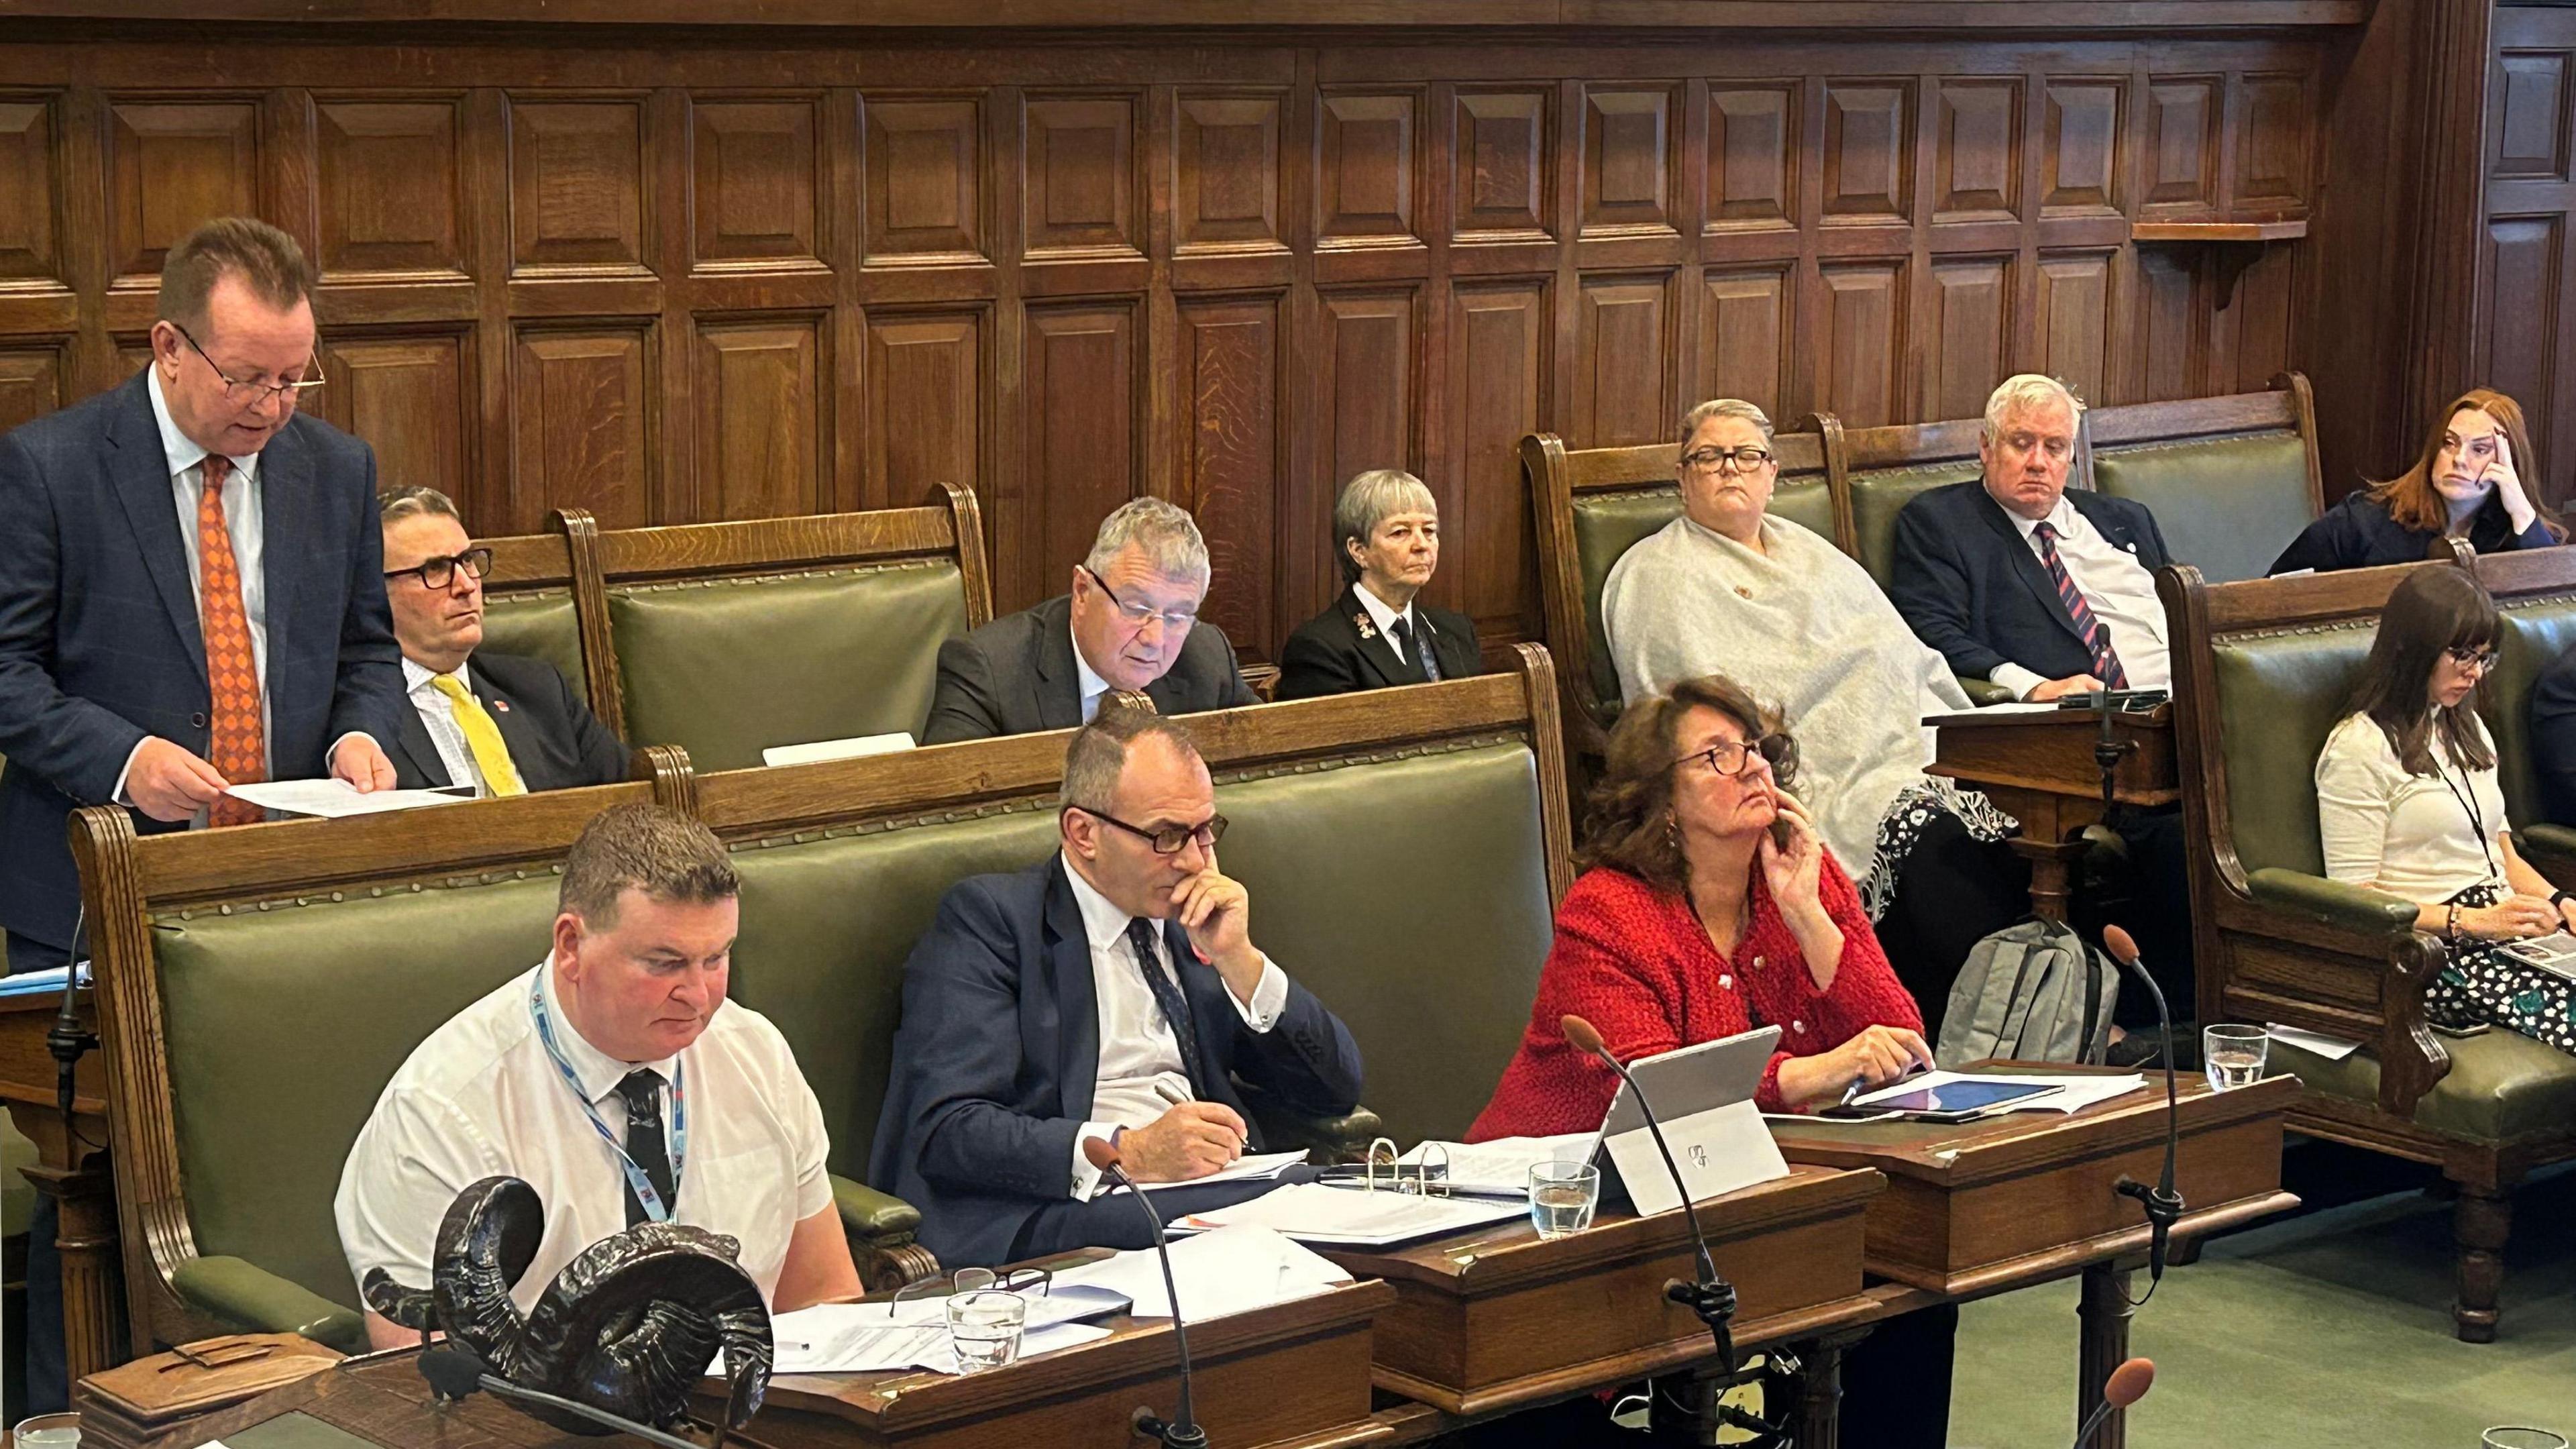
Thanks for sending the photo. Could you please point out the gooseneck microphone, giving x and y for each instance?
(1712, 1297)
(1182, 1430)
(67, 1041)
(455, 1372)
(2128, 1384)
(2163, 1205)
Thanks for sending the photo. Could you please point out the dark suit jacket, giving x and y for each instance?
(995, 1062)
(99, 639)
(2553, 737)
(1969, 585)
(1330, 655)
(554, 739)
(2357, 533)
(1016, 676)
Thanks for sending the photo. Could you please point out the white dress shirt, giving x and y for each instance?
(1385, 618)
(482, 1097)
(1092, 685)
(438, 716)
(1140, 1058)
(2414, 836)
(2119, 590)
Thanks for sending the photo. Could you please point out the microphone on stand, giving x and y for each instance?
(455, 1372)
(2128, 1384)
(2163, 1205)
(67, 1041)
(1712, 1297)
(1182, 1430)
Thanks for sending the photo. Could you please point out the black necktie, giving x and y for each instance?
(1168, 999)
(644, 1143)
(1418, 654)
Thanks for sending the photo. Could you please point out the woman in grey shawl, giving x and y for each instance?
(1728, 588)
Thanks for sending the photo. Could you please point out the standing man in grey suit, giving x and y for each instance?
(191, 597)
(1131, 623)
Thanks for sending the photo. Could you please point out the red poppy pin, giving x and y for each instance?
(502, 705)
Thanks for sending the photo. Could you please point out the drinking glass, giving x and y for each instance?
(984, 1328)
(2234, 1055)
(1562, 1196)
(2521, 1438)
(62, 1431)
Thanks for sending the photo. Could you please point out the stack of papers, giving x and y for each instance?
(48, 982)
(1310, 1212)
(1252, 1166)
(1501, 1168)
(1227, 1270)
(849, 1338)
(2077, 1090)
(2317, 1043)
(333, 799)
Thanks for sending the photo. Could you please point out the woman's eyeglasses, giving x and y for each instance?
(2481, 660)
(1745, 459)
(1735, 757)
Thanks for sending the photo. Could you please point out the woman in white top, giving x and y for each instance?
(1728, 588)
(2407, 803)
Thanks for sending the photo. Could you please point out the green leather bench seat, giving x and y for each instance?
(2226, 506)
(540, 624)
(725, 668)
(2501, 1086)
(2536, 631)
(2279, 696)
(1879, 494)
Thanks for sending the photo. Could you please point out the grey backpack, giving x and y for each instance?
(2030, 992)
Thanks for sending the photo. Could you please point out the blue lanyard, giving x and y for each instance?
(636, 1181)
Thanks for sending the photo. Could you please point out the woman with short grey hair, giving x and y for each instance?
(1378, 634)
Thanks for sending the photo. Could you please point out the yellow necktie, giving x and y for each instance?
(482, 736)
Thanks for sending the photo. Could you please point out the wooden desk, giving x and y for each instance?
(2039, 768)
(71, 1167)
(1496, 1320)
(1295, 1376)
(2027, 1198)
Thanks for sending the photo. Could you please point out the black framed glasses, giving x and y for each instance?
(2481, 660)
(438, 573)
(1735, 757)
(252, 394)
(1168, 839)
(1140, 613)
(1746, 458)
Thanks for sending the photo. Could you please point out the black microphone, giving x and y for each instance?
(2163, 1205)
(67, 1041)
(1182, 1430)
(454, 1373)
(2128, 1384)
(1712, 1297)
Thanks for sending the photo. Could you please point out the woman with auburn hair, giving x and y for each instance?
(2471, 483)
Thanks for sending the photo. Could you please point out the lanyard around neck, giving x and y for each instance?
(637, 1181)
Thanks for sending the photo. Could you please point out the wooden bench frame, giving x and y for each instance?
(2298, 954)
(127, 879)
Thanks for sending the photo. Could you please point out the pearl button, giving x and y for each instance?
(1757, 963)
(1799, 1027)
(1726, 983)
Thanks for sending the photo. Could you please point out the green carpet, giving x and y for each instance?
(2329, 1328)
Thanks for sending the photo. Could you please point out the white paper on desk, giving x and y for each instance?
(2076, 1090)
(849, 749)
(1985, 711)
(1247, 1168)
(1501, 1168)
(334, 799)
(1311, 1212)
(1221, 1271)
(2315, 1043)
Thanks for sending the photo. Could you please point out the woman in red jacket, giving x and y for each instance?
(1707, 907)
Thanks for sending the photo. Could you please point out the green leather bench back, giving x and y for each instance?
(2226, 506)
(2536, 631)
(725, 668)
(2279, 695)
(1608, 524)
(284, 1025)
(540, 624)
(1879, 494)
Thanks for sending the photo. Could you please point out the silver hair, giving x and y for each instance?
(1725, 407)
(393, 505)
(2024, 391)
(1371, 499)
(1165, 531)
(1096, 757)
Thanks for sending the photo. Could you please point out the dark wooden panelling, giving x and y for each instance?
(925, 391)
(2075, 321)
(1753, 156)
(2180, 169)
(1364, 168)
(752, 183)
(1229, 449)
(2272, 143)
(1226, 183)
(391, 207)
(407, 396)
(1504, 145)
(924, 178)
(758, 420)
(1977, 161)
(1081, 179)
(1489, 552)
(2080, 168)
(1747, 322)
(31, 383)
(2526, 256)
(577, 186)
(582, 399)
(2531, 116)
(171, 165)
(2171, 324)
(1620, 394)
(1971, 318)
(27, 188)
(1371, 399)
(1627, 161)
(1861, 366)
(1869, 151)
(1081, 453)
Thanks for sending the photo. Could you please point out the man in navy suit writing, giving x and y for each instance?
(190, 591)
(1111, 991)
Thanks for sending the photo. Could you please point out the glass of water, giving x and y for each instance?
(984, 1328)
(2520, 1438)
(2234, 1055)
(1562, 1197)
(62, 1431)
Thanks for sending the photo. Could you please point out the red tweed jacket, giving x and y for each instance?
(1634, 961)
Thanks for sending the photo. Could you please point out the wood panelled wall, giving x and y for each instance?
(701, 276)
(2527, 292)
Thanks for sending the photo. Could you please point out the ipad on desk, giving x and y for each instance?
(1703, 1095)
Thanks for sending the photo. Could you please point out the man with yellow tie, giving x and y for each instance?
(505, 724)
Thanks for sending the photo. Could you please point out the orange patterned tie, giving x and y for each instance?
(239, 751)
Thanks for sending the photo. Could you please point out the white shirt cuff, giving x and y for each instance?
(1269, 997)
(1086, 1178)
(118, 796)
(2015, 678)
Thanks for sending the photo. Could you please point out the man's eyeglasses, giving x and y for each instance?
(2481, 660)
(1167, 839)
(1140, 613)
(438, 573)
(1745, 459)
(1735, 757)
(254, 394)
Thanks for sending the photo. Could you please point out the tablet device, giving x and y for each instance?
(1952, 1100)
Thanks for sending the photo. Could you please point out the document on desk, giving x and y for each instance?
(2075, 1090)
(335, 799)
(1224, 1270)
(1250, 1167)
(1500, 1168)
(1310, 1212)
(849, 1338)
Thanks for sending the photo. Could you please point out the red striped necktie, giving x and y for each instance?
(2097, 639)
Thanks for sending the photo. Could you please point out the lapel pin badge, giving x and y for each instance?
(1367, 629)
(502, 705)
